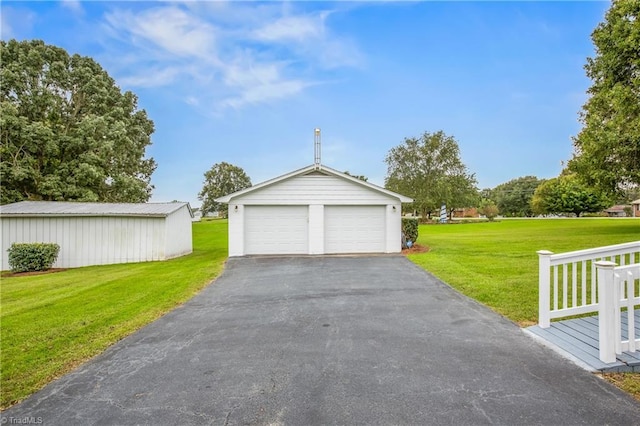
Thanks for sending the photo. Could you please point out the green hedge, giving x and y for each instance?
(26, 257)
(410, 228)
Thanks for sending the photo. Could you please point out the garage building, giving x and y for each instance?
(314, 210)
(99, 233)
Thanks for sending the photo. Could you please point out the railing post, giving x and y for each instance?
(606, 311)
(544, 288)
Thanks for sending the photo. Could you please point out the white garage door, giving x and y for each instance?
(276, 229)
(354, 229)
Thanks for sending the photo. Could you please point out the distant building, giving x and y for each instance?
(466, 212)
(635, 208)
(617, 210)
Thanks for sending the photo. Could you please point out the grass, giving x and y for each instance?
(51, 323)
(496, 262)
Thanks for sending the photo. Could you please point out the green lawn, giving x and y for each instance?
(496, 262)
(52, 323)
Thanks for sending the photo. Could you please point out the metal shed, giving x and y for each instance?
(99, 233)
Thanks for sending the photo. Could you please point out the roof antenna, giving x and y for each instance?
(316, 160)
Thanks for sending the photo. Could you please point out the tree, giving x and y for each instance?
(429, 170)
(222, 179)
(67, 132)
(489, 209)
(607, 149)
(513, 198)
(361, 177)
(567, 194)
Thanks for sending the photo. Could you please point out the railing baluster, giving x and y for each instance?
(564, 286)
(617, 297)
(556, 295)
(584, 282)
(574, 284)
(631, 319)
(594, 290)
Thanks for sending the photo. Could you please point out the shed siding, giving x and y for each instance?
(236, 230)
(91, 240)
(179, 238)
(393, 240)
(314, 189)
(316, 229)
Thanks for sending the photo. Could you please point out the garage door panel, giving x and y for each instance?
(276, 230)
(355, 229)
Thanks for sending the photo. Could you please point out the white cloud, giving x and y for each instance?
(74, 6)
(266, 92)
(292, 28)
(168, 28)
(151, 78)
(224, 53)
(192, 100)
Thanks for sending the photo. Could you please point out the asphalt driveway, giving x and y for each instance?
(329, 340)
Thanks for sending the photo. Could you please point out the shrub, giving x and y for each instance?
(26, 257)
(489, 209)
(410, 228)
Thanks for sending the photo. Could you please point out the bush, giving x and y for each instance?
(27, 257)
(489, 209)
(410, 228)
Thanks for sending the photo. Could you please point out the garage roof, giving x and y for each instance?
(66, 208)
(318, 169)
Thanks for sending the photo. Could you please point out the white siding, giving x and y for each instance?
(314, 189)
(316, 229)
(92, 240)
(355, 229)
(236, 230)
(342, 216)
(179, 237)
(276, 230)
(393, 228)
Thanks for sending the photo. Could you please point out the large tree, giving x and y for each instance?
(222, 179)
(567, 194)
(429, 170)
(607, 149)
(67, 132)
(513, 198)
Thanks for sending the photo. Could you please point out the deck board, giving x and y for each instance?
(579, 338)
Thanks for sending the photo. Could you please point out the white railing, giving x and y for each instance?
(568, 281)
(618, 287)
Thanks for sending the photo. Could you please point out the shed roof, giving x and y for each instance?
(68, 208)
(314, 169)
(636, 201)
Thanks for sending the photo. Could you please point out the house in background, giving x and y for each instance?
(618, 210)
(99, 233)
(635, 206)
(197, 215)
(314, 210)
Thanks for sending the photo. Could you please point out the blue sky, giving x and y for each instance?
(247, 82)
